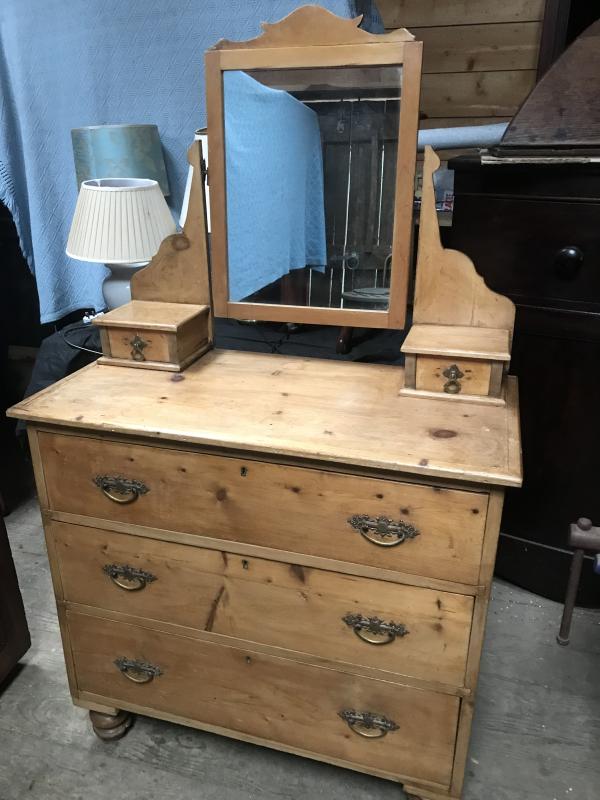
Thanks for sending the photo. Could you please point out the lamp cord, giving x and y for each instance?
(78, 346)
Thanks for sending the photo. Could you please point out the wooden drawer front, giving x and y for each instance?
(519, 247)
(475, 378)
(287, 508)
(284, 605)
(157, 346)
(294, 704)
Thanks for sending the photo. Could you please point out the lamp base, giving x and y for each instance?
(116, 287)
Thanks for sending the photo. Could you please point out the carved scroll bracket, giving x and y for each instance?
(178, 273)
(448, 289)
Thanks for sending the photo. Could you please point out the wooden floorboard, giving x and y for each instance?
(535, 735)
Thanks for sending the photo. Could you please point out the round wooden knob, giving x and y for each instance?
(568, 261)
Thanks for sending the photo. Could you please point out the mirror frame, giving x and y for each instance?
(312, 37)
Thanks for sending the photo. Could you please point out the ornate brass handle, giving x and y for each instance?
(120, 490)
(367, 724)
(383, 531)
(452, 385)
(371, 629)
(137, 348)
(137, 671)
(129, 578)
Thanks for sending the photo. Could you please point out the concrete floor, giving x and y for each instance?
(536, 734)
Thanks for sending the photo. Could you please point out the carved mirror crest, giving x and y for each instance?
(312, 131)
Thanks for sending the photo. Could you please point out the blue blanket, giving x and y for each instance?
(274, 168)
(92, 62)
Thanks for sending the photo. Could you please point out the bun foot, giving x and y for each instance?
(108, 727)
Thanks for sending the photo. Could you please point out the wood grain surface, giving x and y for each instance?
(290, 508)
(292, 703)
(518, 744)
(151, 315)
(279, 604)
(430, 374)
(448, 288)
(335, 412)
(458, 340)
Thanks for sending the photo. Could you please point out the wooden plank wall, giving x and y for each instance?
(479, 56)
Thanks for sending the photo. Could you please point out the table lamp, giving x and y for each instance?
(119, 222)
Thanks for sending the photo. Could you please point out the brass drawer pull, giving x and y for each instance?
(383, 531)
(120, 490)
(452, 385)
(129, 578)
(367, 724)
(371, 629)
(137, 348)
(137, 671)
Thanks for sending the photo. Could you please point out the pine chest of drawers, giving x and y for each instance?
(281, 550)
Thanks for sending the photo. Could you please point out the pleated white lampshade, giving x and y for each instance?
(119, 221)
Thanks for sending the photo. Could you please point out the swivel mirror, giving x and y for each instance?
(312, 139)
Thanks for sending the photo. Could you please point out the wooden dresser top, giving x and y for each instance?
(327, 411)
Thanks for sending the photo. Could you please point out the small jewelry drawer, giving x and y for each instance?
(453, 376)
(395, 729)
(422, 530)
(154, 335)
(405, 630)
(456, 361)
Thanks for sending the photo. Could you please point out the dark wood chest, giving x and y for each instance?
(533, 232)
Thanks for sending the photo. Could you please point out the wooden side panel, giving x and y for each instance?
(448, 289)
(272, 603)
(288, 508)
(38, 468)
(410, 371)
(190, 337)
(295, 704)
(492, 532)
(218, 196)
(179, 272)
(105, 342)
(496, 378)
(405, 181)
(430, 374)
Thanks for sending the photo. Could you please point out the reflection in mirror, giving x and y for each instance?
(310, 158)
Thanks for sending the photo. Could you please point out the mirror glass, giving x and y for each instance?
(310, 160)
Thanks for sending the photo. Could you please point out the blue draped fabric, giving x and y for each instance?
(275, 196)
(69, 64)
